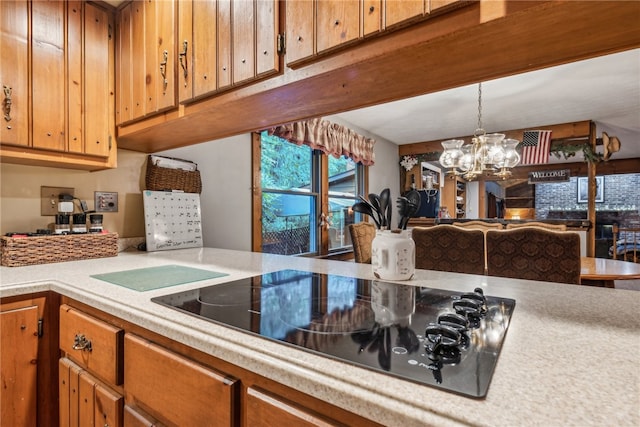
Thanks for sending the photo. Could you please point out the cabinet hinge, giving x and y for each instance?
(110, 143)
(282, 45)
(40, 328)
(110, 32)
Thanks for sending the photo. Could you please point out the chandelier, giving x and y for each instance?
(487, 154)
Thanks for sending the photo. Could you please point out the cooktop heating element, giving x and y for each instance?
(449, 340)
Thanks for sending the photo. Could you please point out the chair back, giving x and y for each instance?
(362, 235)
(534, 253)
(479, 225)
(557, 227)
(449, 248)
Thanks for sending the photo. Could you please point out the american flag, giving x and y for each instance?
(535, 147)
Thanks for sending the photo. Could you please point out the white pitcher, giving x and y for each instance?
(393, 255)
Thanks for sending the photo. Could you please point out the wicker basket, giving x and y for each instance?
(21, 251)
(160, 179)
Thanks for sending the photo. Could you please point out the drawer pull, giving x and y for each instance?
(7, 103)
(81, 342)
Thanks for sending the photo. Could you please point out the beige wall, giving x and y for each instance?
(20, 193)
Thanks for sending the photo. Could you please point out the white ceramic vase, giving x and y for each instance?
(393, 255)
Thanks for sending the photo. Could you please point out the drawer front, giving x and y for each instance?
(93, 344)
(176, 390)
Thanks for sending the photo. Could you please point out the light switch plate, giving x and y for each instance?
(49, 198)
(106, 201)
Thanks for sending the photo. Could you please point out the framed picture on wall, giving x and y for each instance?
(583, 189)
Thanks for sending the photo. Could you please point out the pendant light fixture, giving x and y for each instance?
(487, 154)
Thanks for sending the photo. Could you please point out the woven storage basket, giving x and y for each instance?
(17, 252)
(160, 179)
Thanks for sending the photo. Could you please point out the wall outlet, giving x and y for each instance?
(106, 201)
(50, 197)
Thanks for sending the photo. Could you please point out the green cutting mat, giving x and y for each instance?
(146, 279)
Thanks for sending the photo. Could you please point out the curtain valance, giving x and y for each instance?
(328, 137)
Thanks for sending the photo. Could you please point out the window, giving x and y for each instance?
(302, 204)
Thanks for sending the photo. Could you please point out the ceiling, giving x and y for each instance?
(605, 89)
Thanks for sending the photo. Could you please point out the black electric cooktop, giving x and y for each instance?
(449, 340)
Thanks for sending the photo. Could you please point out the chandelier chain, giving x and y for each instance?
(480, 106)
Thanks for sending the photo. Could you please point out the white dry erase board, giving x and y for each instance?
(172, 220)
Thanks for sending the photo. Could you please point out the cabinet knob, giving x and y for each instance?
(372, 8)
(299, 38)
(244, 60)
(337, 22)
(80, 342)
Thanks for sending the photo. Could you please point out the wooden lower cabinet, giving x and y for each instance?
(264, 409)
(19, 347)
(166, 383)
(174, 389)
(85, 400)
(28, 360)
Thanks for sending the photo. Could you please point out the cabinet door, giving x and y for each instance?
(138, 72)
(163, 46)
(86, 397)
(371, 17)
(191, 395)
(84, 400)
(74, 77)
(265, 409)
(224, 44)
(204, 47)
(300, 29)
(14, 74)
(244, 44)
(96, 78)
(185, 50)
(18, 366)
(266, 37)
(48, 74)
(124, 94)
(397, 11)
(338, 23)
(108, 407)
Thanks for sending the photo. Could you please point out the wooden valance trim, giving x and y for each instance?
(331, 138)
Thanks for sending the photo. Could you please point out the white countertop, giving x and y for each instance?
(570, 356)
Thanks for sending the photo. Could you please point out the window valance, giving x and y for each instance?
(328, 137)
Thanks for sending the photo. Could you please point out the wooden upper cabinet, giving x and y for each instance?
(185, 50)
(137, 61)
(97, 95)
(57, 84)
(223, 44)
(267, 24)
(371, 17)
(14, 72)
(48, 74)
(397, 11)
(225, 78)
(160, 49)
(338, 23)
(300, 30)
(75, 128)
(204, 47)
(147, 58)
(244, 44)
(124, 74)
